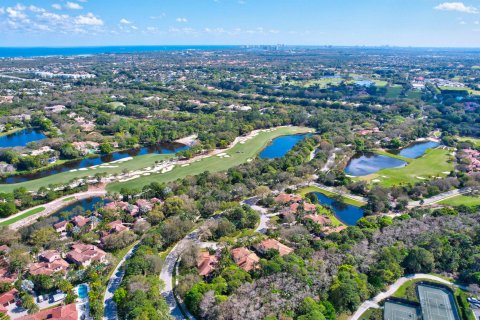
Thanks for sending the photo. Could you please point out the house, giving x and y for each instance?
(321, 220)
(6, 99)
(55, 109)
(67, 312)
(328, 230)
(206, 263)
(307, 207)
(144, 205)
(116, 205)
(85, 254)
(7, 276)
(285, 198)
(245, 259)
(50, 262)
(272, 244)
(117, 226)
(8, 298)
(61, 226)
(80, 221)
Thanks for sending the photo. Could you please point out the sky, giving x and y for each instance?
(62, 23)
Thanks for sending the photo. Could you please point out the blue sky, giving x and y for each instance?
(196, 22)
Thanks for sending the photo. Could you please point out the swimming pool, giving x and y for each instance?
(82, 291)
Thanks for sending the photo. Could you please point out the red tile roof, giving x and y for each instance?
(245, 259)
(206, 263)
(275, 245)
(284, 197)
(8, 297)
(68, 312)
(317, 219)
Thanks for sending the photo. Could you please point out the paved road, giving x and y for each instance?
(373, 303)
(440, 197)
(52, 207)
(110, 307)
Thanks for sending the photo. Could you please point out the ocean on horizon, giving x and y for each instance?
(24, 52)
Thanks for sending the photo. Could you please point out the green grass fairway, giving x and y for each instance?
(345, 200)
(388, 154)
(134, 164)
(22, 216)
(432, 164)
(461, 200)
(239, 154)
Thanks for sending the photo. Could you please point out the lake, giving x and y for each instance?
(281, 145)
(366, 163)
(163, 148)
(66, 213)
(346, 213)
(416, 149)
(20, 138)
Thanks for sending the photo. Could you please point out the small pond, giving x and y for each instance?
(366, 163)
(416, 149)
(20, 138)
(281, 145)
(164, 148)
(346, 213)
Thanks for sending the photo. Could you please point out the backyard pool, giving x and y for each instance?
(82, 291)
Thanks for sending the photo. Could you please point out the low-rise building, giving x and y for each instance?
(272, 244)
(206, 263)
(245, 259)
(67, 312)
(318, 219)
(8, 298)
(85, 254)
(285, 198)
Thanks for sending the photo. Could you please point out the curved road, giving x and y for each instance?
(373, 303)
(51, 207)
(110, 308)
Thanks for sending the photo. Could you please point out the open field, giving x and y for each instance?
(470, 91)
(23, 216)
(434, 163)
(311, 189)
(235, 156)
(475, 141)
(394, 91)
(468, 201)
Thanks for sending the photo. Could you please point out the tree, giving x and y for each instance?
(419, 260)
(28, 303)
(106, 148)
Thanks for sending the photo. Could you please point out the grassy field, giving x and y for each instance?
(388, 154)
(475, 141)
(239, 154)
(470, 91)
(434, 163)
(394, 91)
(311, 189)
(371, 314)
(22, 216)
(68, 199)
(462, 200)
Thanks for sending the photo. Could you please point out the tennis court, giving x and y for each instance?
(437, 303)
(394, 310)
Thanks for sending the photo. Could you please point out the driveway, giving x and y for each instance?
(110, 308)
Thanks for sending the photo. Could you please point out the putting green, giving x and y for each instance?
(235, 156)
(434, 163)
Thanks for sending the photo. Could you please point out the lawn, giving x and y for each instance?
(22, 216)
(475, 141)
(394, 91)
(239, 154)
(434, 163)
(388, 154)
(461, 200)
(68, 199)
(345, 200)
(371, 313)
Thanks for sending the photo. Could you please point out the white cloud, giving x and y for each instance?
(88, 20)
(456, 6)
(125, 21)
(181, 20)
(2, 10)
(56, 6)
(73, 6)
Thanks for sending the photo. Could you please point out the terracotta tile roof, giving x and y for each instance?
(245, 259)
(60, 225)
(4, 248)
(48, 268)
(284, 198)
(9, 296)
(206, 263)
(317, 218)
(80, 221)
(49, 255)
(84, 254)
(68, 312)
(117, 226)
(306, 207)
(328, 230)
(275, 245)
(7, 276)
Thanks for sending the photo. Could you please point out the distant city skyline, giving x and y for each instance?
(417, 23)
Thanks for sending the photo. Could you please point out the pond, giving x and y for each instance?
(20, 138)
(281, 145)
(163, 148)
(416, 149)
(366, 163)
(346, 213)
(66, 213)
